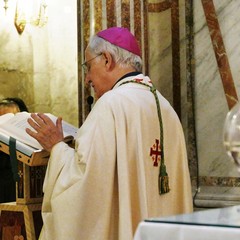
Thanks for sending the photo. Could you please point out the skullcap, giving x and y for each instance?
(122, 38)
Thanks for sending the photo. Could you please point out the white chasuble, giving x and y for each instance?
(104, 187)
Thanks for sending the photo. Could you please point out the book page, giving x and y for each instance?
(4, 118)
(16, 125)
(68, 129)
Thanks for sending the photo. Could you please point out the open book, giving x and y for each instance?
(14, 125)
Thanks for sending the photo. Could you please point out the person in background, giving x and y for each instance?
(7, 182)
(129, 161)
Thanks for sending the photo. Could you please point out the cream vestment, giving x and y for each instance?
(104, 187)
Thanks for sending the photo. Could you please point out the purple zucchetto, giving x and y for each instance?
(122, 38)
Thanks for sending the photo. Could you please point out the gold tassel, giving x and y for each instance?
(163, 181)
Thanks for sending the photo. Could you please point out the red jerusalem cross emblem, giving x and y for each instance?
(155, 151)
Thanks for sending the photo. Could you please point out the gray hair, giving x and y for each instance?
(121, 56)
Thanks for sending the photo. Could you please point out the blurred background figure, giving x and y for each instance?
(7, 182)
(12, 105)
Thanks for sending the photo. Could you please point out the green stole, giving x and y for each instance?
(163, 180)
(13, 158)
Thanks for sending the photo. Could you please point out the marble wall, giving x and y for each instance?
(40, 65)
(209, 72)
(217, 60)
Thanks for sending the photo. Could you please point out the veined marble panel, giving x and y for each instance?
(160, 50)
(211, 105)
(218, 177)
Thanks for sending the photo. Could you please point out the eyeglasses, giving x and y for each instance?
(86, 66)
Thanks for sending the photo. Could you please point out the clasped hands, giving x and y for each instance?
(47, 133)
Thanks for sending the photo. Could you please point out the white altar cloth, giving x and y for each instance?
(215, 224)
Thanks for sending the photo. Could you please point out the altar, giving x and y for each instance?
(213, 224)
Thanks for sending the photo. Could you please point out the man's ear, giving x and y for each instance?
(109, 62)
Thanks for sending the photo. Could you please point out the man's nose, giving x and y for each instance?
(87, 79)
